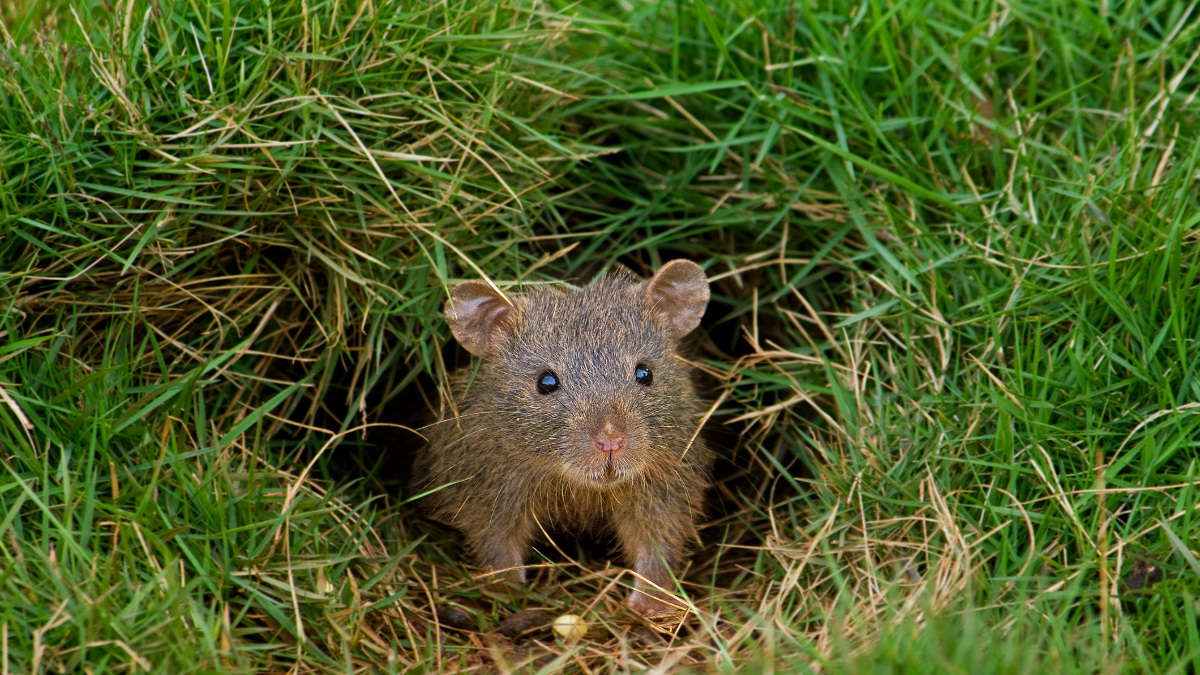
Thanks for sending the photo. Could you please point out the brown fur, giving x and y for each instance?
(513, 457)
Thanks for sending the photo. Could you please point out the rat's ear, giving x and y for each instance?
(679, 291)
(478, 315)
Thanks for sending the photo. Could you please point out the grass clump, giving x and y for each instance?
(952, 349)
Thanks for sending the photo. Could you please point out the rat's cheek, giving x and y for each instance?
(577, 449)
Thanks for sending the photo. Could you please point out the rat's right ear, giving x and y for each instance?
(478, 315)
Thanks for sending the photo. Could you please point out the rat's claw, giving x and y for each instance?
(652, 607)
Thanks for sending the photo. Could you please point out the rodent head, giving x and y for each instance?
(587, 382)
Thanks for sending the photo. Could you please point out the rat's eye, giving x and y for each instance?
(547, 383)
(643, 375)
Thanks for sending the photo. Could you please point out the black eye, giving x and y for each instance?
(643, 375)
(547, 383)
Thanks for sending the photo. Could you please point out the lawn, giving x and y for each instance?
(952, 357)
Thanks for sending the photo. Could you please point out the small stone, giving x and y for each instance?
(524, 621)
(1143, 575)
(454, 617)
(570, 627)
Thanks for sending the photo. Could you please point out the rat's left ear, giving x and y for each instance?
(679, 291)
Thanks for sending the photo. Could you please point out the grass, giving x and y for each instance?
(953, 349)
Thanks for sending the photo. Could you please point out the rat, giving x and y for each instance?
(580, 417)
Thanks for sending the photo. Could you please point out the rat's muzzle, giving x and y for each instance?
(605, 449)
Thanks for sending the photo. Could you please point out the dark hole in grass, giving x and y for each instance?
(378, 466)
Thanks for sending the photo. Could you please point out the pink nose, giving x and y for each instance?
(609, 440)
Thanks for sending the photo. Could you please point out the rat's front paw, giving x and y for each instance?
(650, 606)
